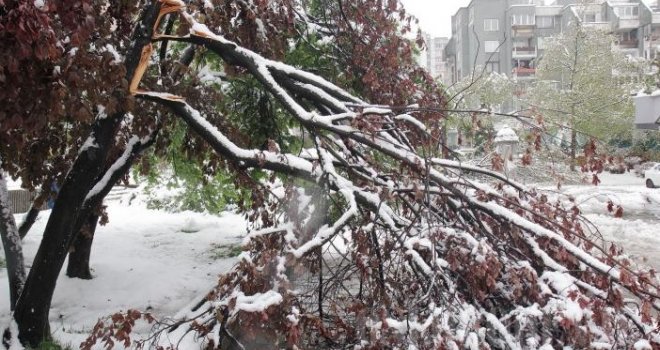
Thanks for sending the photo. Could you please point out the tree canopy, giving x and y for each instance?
(583, 83)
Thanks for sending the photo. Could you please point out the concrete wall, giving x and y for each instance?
(647, 112)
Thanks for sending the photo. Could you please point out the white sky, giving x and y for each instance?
(434, 15)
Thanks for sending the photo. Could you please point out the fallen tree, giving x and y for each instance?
(371, 241)
(362, 236)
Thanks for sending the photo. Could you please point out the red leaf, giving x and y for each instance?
(646, 312)
(575, 210)
(527, 158)
(583, 303)
(566, 323)
(619, 212)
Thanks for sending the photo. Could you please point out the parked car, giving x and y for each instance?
(652, 176)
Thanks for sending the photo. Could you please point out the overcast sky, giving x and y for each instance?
(434, 15)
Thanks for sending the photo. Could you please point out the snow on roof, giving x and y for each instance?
(506, 134)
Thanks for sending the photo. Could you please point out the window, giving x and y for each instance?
(491, 24)
(523, 20)
(493, 67)
(627, 12)
(545, 21)
(590, 17)
(540, 43)
(522, 64)
(491, 46)
(521, 43)
(628, 36)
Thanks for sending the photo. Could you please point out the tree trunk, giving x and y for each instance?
(573, 148)
(11, 242)
(81, 249)
(29, 220)
(35, 208)
(32, 309)
(75, 205)
(33, 306)
(443, 141)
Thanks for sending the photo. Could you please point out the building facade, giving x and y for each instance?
(508, 36)
(433, 58)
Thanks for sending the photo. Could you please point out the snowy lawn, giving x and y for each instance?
(143, 259)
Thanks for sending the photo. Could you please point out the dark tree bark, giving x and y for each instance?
(573, 148)
(32, 214)
(29, 220)
(39, 299)
(11, 242)
(81, 249)
(32, 308)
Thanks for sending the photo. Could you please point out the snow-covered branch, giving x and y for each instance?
(406, 235)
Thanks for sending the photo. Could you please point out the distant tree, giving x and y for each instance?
(482, 90)
(471, 102)
(583, 86)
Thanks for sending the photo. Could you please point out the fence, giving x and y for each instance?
(20, 200)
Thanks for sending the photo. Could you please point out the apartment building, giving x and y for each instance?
(433, 58)
(508, 36)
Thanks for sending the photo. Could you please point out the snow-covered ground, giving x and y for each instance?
(638, 231)
(158, 261)
(143, 259)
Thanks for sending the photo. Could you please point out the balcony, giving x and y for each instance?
(634, 52)
(652, 39)
(521, 3)
(626, 23)
(551, 10)
(523, 52)
(602, 26)
(656, 17)
(522, 72)
(628, 44)
(522, 31)
(523, 25)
